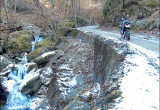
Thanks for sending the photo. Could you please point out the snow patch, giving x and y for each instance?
(48, 53)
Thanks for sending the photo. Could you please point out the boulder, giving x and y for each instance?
(77, 104)
(47, 43)
(5, 73)
(45, 57)
(36, 53)
(91, 93)
(49, 56)
(52, 88)
(143, 13)
(31, 66)
(4, 62)
(46, 76)
(82, 22)
(34, 29)
(65, 26)
(18, 42)
(113, 95)
(39, 104)
(7, 85)
(31, 84)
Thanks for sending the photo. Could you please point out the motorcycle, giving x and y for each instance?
(125, 30)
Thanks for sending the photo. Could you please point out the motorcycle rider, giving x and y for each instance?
(122, 22)
(122, 26)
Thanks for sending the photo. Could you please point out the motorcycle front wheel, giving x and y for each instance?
(128, 34)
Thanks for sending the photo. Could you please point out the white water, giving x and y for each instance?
(37, 39)
(16, 100)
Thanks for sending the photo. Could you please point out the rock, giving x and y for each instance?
(44, 57)
(1, 48)
(47, 43)
(133, 24)
(151, 25)
(4, 62)
(65, 26)
(7, 85)
(52, 89)
(31, 66)
(138, 23)
(42, 91)
(31, 84)
(77, 104)
(5, 73)
(82, 22)
(91, 93)
(18, 42)
(47, 56)
(46, 76)
(157, 23)
(143, 13)
(36, 53)
(142, 25)
(39, 104)
(113, 95)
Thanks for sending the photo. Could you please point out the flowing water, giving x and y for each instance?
(16, 100)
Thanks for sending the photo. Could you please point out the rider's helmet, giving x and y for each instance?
(122, 19)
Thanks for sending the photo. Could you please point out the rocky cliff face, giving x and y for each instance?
(143, 14)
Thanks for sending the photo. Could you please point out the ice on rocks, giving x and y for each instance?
(8, 85)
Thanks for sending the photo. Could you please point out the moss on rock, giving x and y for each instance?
(36, 53)
(65, 26)
(114, 94)
(18, 42)
(69, 24)
(48, 43)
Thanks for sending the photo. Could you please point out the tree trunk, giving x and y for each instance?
(7, 15)
(72, 4)
(15, 6)
(123, 4)
(75, 13)
(52, 17)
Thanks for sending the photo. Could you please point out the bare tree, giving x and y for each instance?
(7, 14)
(75, 13)
(123, 4)
(52, 17)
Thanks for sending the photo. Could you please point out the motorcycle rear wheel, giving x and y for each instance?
(128, 34)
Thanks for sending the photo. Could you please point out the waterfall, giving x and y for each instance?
(36, 40)
(16, 100)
